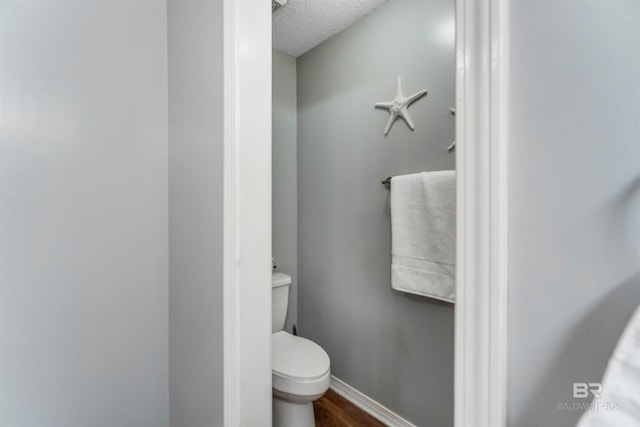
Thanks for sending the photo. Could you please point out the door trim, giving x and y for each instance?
(482, 256)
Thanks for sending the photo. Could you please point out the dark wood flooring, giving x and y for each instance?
(333, 410)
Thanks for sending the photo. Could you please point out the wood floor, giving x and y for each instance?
(333, 410)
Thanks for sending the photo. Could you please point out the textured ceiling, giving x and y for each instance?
(304, 24)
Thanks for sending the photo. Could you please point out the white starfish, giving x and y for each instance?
(399, 107)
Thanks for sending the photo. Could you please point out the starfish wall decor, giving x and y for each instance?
(399, 107)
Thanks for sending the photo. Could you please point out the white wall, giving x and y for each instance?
(395, 348)
(195, 212)
(285, 174)
(83, 214)
(574, 197)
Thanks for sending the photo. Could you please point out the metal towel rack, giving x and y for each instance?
(387, 183)
(453, 144)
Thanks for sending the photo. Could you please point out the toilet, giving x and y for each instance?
(299, 367)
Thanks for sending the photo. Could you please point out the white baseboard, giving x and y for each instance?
(367, 404)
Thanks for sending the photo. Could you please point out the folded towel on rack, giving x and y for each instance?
(423, 234)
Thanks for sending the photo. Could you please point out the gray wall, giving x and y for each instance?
(574, 189)
(284, 178)
(393, 347)
(83, 214)
(195, 212)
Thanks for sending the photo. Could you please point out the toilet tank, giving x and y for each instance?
(279, 300)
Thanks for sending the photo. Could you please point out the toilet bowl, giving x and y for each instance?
(300, 368)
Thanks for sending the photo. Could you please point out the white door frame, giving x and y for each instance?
(247, 213)
(482, 62)
(481, 120)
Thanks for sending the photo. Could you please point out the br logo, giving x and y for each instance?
(582, 390)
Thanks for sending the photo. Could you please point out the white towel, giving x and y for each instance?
(423, 234)
(619, 401)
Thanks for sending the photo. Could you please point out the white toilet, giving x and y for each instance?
(299, 367)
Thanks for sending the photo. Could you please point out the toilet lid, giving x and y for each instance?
(297, 357)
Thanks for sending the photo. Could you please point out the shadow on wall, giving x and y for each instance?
(583, 357)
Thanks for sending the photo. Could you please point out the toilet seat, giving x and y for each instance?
(299, 366)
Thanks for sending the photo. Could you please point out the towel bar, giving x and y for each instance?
(387, 183)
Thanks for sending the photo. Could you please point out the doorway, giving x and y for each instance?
(480, 321)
